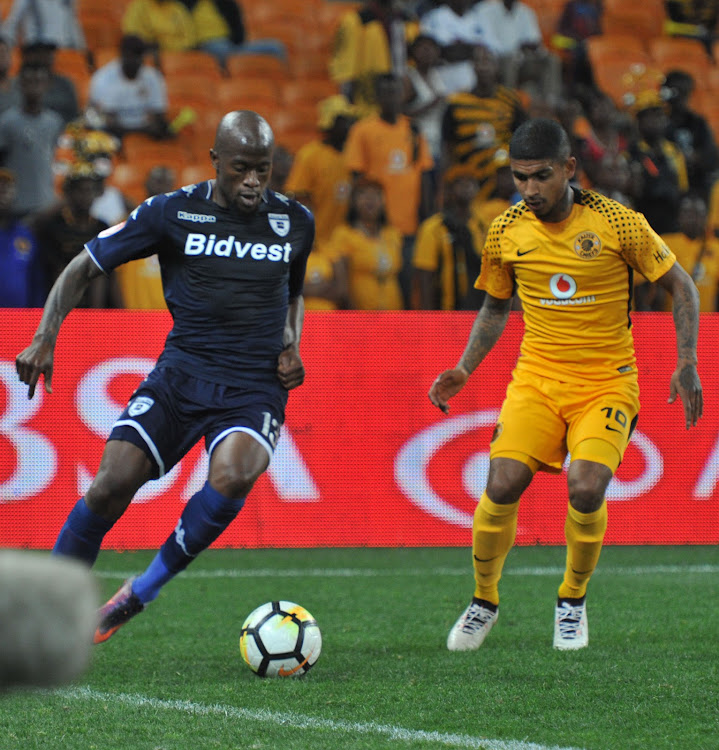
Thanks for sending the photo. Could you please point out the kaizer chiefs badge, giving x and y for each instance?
(587, 245)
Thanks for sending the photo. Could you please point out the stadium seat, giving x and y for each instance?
(112, 12)
(617, 78)
(293, 140)
(641, 19)
(608, 44)
(267, 66)
(302, 116)
(138, 148)
(248, 93)
(71, 62)
(670, 53)
(177, 63)
(192, 91)
(101, 33)
(130, 180)
(310, 90)
(193, 173)
(548, 14)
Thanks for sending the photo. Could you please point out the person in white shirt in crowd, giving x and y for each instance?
(128, 95)
(513, 33)
(454, 25)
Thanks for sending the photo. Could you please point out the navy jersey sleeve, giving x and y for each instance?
(137, 237)
(299, 265)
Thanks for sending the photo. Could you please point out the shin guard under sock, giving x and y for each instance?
(82, 534)
(493, 532)
(207, 514)
(584, 533)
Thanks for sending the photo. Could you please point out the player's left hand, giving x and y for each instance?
(686, 384)
(290, 369)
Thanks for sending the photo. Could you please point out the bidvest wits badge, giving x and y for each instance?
(140, 405)
(280, 223)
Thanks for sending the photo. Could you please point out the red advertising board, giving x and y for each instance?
(364, 458)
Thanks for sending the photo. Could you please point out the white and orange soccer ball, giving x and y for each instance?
(280, 639)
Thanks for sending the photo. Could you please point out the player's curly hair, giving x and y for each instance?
(540, 138)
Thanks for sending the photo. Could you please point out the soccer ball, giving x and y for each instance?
(280, 639)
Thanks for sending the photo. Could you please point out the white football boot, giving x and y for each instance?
(472, 627)
(571, 630)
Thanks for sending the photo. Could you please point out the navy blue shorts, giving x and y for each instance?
(170, 411)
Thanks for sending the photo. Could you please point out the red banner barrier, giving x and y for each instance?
(364, 458)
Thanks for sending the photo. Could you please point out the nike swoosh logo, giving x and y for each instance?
(613, 429)
(288, 673)
(520, 253)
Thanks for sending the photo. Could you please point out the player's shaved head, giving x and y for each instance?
(243, 129)
(540, 138)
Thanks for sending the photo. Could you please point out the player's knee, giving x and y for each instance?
(586, 494)
(234, 481)
(110, 494)
(507, 480)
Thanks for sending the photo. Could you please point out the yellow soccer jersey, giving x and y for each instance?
(574, 280)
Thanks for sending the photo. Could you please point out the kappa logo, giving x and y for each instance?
(140, 405)
(200, 218)
(280, 223)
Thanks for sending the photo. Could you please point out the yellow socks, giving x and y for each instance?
(584, 533)
(493, 533)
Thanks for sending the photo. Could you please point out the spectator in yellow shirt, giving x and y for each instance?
(140, 280)
(163, 24)
(319, 177)
(372, 250)
(697, 251)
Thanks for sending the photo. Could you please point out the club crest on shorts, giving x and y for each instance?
(280, 223)
(587, 245)
(140, 405)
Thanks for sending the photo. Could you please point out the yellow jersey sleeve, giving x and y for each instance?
(497, 274)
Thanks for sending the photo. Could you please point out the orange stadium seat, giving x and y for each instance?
(112, 11)
(293, 140)
(139, 148)
(643, 19)
(101, 32)
(267, 66)
(548, 15)
(607, 44)
(189, 62)
(311, 90)
(685, 54)
(130, 180)
(248, 93)
(193, 173)
(191, 90)
(71, 62)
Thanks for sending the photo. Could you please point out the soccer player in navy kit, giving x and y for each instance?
(233, 257)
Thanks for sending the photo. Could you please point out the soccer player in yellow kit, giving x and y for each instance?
(574, 389)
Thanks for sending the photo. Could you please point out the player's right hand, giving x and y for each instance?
(448, 383)
(34, 361)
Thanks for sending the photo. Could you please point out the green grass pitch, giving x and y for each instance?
(173, 679)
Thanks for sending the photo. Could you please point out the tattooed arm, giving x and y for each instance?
(67, 291)
(685, 379)
(487, 328)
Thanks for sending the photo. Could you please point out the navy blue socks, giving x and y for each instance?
(207, 514)
(82, 534)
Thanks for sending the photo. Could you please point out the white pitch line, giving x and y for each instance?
(417, 572)
(300, 721)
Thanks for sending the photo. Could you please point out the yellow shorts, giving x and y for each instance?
(546, 419)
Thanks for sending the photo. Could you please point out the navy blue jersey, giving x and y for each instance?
(227, 277)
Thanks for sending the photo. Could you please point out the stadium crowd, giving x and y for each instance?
(392, 121)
